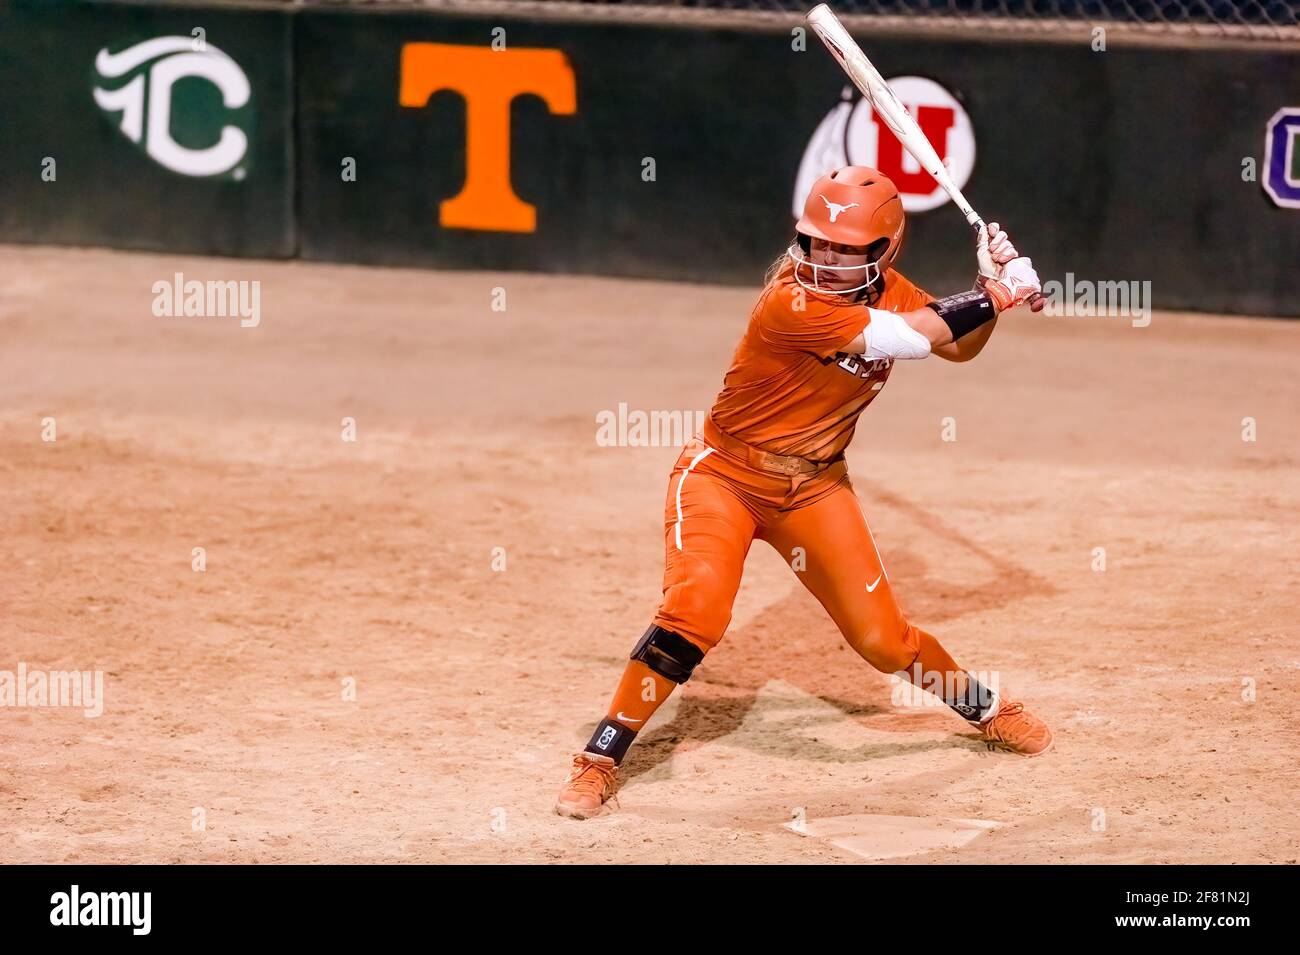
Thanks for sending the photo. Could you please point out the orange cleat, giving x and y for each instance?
(1014, 729)
(590, 783)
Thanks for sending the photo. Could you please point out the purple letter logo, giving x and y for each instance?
(1280, 158)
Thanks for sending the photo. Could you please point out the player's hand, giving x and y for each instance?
(1001, 251)
(993, 249)
(1000, 246)
(1016, 282)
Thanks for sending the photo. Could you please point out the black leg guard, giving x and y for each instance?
(611, 739)
(672, 656)
(975, 703)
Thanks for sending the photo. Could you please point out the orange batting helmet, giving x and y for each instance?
(857, 206)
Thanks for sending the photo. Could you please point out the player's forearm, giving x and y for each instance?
(946, 321)
(906, 335)
(928, 323)
(968, 346)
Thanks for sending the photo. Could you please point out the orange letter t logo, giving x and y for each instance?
(489, 80)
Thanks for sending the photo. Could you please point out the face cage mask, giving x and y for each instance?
(871, 271)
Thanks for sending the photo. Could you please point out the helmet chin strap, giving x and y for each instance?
(871, 271)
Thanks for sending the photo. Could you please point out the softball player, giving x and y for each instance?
(769, 465)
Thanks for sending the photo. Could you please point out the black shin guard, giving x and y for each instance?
(611, 739)
(976, 703)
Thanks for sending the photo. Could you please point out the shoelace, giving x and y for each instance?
(1011, 709)
(588, 777)
(1008, 710)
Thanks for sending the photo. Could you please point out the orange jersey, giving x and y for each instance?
(790, 390)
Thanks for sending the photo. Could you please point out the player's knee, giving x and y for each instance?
(695, 612)
(669, 654)
(889, 648)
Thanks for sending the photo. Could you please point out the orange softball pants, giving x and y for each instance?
(723, 495)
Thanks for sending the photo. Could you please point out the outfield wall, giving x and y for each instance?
(402, 137)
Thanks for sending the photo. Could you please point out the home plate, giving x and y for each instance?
(892, 837)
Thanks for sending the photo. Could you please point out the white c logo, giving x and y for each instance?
(211, 64)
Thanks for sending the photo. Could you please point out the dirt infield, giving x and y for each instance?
(227, 733)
